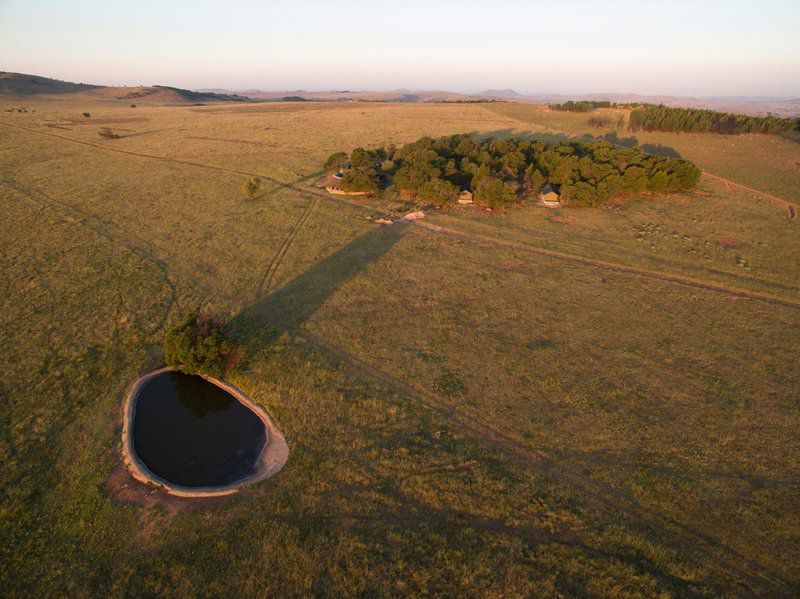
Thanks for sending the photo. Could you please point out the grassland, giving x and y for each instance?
(465, 417)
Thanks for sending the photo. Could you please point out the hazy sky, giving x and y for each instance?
(700, 47)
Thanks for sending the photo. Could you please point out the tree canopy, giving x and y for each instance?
(651, 117)
(198, 344)
(580, 105)
(503, 171)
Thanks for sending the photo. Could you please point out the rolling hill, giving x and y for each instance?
(20, 85)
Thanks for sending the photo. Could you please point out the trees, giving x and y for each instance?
(251, 187)
(335, 162)
(438, 191)
(364, 180)
(498, 169)
(599, 122)
(362, 158)
(198, 344)
(651, 117)
(580, 106)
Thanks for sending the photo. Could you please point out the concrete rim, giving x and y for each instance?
(273, 455)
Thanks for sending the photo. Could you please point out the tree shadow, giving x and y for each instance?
(660, 150)
(633, 142)
(625, 142)
(291, 305)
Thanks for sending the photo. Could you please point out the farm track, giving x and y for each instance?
(611, 266)
(272, 270)
(732, 185)
(595, 492)
(720, 555)
(72, 214)
(608, 266)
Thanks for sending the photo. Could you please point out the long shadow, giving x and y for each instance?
(294, 303)
(633, 142)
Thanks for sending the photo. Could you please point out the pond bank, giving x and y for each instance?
(272, 458)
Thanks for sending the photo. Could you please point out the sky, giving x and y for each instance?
(672, 47)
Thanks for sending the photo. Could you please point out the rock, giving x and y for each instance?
(383, 221)
(414, 215)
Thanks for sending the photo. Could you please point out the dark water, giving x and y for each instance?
(193, 433)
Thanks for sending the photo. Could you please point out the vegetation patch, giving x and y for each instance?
(649, 117)
(580, 106)
(199, 344)
(503, 172)
(449, 385)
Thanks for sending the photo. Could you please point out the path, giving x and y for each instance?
(600, 494)
(767, 196)
(611, 266)
(672, 278)
(72, 214)
(269, 276)
(595, 492)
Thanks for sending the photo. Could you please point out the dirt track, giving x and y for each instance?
(601, 495)
(612, 266)
(766, 196)
(668, 277)
(723, 557)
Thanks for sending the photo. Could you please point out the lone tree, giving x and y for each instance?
(199, 344)
(251, 186)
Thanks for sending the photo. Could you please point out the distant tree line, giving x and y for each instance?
(651, 117)
(503, 172)
(580, 106)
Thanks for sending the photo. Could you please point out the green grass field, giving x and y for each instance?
(467, 414)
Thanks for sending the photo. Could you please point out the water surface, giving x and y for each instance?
(192, 433)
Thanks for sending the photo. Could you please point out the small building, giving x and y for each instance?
(550, 197)
(465, 197)
(332, 182)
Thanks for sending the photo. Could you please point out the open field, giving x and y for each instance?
(462, 413)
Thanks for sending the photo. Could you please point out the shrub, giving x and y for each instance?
(107, 133)
(449, 385)
(86, 115)
(133, 105)
(251, 186)
(198, 344)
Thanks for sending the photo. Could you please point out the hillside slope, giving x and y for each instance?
(20, 85)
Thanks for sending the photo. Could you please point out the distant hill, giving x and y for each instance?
(507, 94)
(20, 85)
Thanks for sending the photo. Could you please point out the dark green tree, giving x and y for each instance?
(198, 344)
